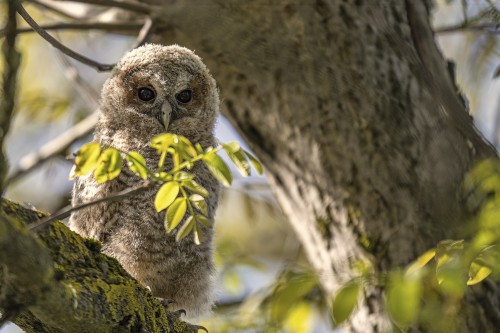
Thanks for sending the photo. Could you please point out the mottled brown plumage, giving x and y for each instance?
(131, 230)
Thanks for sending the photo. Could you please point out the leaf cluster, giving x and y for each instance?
(179, 195)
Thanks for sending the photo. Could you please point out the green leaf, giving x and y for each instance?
(403, 297)
(421, 261)
(478, 273)
(255, 162)
(197, 235)
(166, 195)
(185, 146)
(186, 228)
(86, 159)
(182, 175)
(240, 161)
(345, 301)
(218, 168)
(109, 165)
(195, 188)
(289, 293)
(164, 141)
(231, 147)
(199, 202)
(203, 220)
(175, 213)
(137, 164)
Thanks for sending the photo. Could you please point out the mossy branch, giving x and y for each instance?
(60, 282)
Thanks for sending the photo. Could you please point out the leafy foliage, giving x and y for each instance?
(179, 194)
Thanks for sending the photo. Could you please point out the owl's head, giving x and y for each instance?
(161, 89)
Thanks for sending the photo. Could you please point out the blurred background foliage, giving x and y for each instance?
(264, 281)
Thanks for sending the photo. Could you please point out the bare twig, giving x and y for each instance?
(125, 26)
(66, 211)
(145, 33)
(123, 4)
(86, 91)
(50, 7)
(11, 66)
(54, 42)
(486, 28)
(53, 148)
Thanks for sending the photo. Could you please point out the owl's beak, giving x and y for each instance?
(166, 111)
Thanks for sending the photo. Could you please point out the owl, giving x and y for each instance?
(152, 90)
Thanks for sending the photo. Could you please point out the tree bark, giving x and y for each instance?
(351, 108)
(60, 282)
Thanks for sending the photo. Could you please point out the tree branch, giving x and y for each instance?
(12, 61)
(58, 45)
(55, 147)
(66, 211)
(123, 26)
(71, 286)
(486, 28)
(127, 5)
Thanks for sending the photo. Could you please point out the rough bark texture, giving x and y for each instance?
(350, 107)
(62, 283)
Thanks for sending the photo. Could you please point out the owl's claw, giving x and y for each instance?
(179, 313)
(194, 328)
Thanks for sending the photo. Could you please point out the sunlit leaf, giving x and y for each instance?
(289, 293)
(203, 220)
(218, 168)
(137, 164)
(182, 175)
(109, 165)
(300, 318)
(421, 261)
(197, 235)
(86, 159)
(194, 187)
(231, 147)
(240, 161)
(255, 163)
(185, 229)
(186, 146)
(345, 301)
(164, 141)
(478, 273)
(166, 195)
(199, 203)
(175, 213)
(403, 297)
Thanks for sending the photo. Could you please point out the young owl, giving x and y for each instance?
(153, 89)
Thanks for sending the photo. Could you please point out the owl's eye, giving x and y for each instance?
(184, 96)
(146, 94)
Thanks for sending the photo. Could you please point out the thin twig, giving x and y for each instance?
(145, 33)
(66, 211)
(90, 96)
(123, 4)
(50, 7)
(82, 26)
(58, 45)
(54, 147)
(486, 28)
(11, 64)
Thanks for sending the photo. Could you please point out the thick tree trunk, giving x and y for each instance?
(350, 107)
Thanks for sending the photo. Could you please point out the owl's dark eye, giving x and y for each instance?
(184, 96)
(146, 94)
